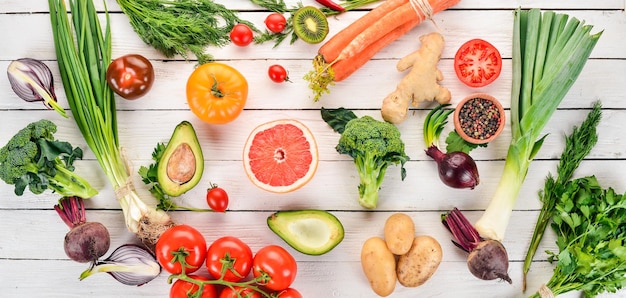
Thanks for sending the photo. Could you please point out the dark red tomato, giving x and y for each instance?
(288, 293)
(185, 289)
(275, 22)
(217, 198)
(477, 63)
(130, 76)
(182, 242)
(276, 262)
(241, 35)
(277, 73)
(230, 252)
(239, 292)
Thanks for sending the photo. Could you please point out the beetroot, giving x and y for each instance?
(86, 241)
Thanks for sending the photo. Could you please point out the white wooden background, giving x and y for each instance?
(32, 261)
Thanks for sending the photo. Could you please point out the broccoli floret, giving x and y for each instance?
(373, 144)
(33, 158)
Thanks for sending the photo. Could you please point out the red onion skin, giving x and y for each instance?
(456, 169)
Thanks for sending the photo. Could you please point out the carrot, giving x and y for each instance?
(331, 49)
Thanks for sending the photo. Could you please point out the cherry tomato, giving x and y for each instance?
(216, 92)
(288, 293)
(477, 63)
(185, 289)
(241, 35)
(130, 76)
(239, 292)
(217, 198)
(276, 262)
(275, 22)
(230, 252)
(277, 73)
(184, 242)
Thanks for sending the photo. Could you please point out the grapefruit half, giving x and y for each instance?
(280, 156)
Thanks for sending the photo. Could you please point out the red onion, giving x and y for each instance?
(456, 169)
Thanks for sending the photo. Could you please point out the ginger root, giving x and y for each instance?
(421, 83)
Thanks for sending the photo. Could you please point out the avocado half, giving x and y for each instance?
(311, 232)
(182, 163)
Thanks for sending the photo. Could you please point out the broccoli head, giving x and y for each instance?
(373, 144)
(33, 158)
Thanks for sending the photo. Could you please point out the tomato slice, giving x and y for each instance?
(477, 63)
(216, 92)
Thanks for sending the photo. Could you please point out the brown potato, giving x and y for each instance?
(420, 263)
(399, 233)
(379, 266)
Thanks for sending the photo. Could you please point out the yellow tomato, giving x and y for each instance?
(216, 92)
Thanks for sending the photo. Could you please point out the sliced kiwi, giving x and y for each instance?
(310, 24)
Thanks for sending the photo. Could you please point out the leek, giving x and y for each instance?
(549, 52)
(83, 57)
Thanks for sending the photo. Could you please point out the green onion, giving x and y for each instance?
(549, 52)
(83, 61)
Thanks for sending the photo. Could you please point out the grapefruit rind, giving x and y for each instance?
(301, 181)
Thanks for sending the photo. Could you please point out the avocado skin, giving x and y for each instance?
(184, 134)
(278, 222)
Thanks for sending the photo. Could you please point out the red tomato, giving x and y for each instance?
(275, 22)
(230, 252)
(185, 289)
(130, 76)
(183, 242)
(239, 292)
(288, 293)
(277, 73)
(241, 35)
(477, 63)
(276, 262)
(217, 198)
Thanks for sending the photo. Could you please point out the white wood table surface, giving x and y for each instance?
(32, 260)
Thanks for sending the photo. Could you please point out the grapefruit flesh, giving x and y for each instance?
(280, 156)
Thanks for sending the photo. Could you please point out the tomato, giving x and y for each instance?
(216, 92)
(185, 289)
(275, 22)
(239, 292)
(288, 293)
(277, 73)
(182, 242)
(241, 35)
(217, 198)
(477, 63)
(276, 262)
(230, 252)
(130, 76)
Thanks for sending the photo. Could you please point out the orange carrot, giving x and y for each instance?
(331, 49)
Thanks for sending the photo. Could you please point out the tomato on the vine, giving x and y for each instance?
(185, 289)
(239, 292)
(275, 22)
(477, 63)
(183, 243)
(278, 73)
(288, 293)
(217, 198)
(232, 254)
(216, 92)
(278, 264)
(130, 76)
(241, 35)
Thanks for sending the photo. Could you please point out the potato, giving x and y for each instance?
(420, 263)
(379, 266)
(399, 233)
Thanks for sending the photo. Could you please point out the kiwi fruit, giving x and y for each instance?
(310, 24)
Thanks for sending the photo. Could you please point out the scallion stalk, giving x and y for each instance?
(549, 52)
(83, 61)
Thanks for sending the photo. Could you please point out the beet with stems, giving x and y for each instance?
(86, 241)
(487, 258)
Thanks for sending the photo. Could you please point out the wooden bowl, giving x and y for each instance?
(486, 114)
